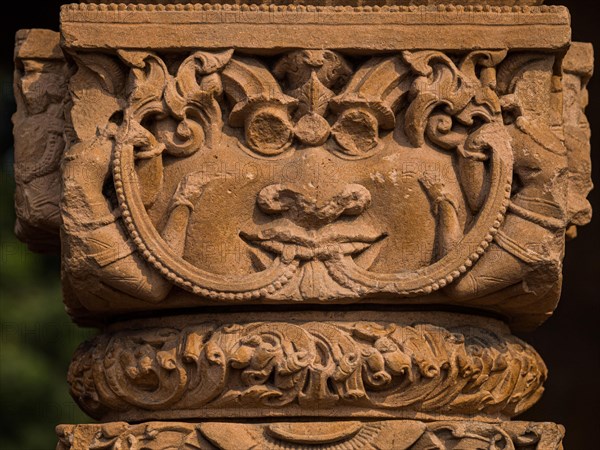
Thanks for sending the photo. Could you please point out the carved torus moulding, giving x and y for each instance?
(267, 206)
(205, 366)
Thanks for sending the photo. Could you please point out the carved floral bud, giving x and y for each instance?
(312, 129)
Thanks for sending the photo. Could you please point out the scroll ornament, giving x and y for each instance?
(206, 368)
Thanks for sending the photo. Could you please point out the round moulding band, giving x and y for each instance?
(368, 364)
(350, 435)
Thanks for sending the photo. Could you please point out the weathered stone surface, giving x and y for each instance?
(288, 26)
(330, 175)
(396, 435)
(40, 85)
(319, 163)
(578, 68)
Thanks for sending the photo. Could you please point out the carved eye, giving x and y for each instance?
(356, 132)
(268, 130)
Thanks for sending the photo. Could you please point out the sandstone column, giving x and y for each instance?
(305, 224)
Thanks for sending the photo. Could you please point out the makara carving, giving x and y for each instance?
(267, 207)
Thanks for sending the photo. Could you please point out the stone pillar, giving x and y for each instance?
(305, 225)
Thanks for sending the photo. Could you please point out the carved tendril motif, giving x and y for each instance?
(421, 368)
(177, 115)
(184, 108)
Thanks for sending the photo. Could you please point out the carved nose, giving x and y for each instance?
(352, 200)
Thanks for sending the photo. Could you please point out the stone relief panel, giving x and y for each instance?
(40, 85)
(319, 166)
(396, 435)
(578, 68)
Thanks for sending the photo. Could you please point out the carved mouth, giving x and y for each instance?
(299, 243)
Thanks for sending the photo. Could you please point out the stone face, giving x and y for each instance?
(267, 207)
(578, 68)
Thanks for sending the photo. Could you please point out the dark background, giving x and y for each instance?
(37, 339)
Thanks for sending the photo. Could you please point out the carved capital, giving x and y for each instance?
(357, 166)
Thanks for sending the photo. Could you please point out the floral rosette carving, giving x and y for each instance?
(298, 369)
